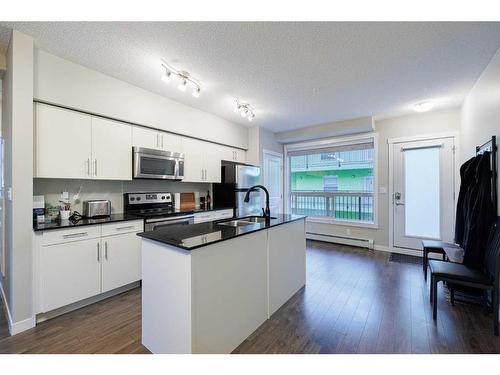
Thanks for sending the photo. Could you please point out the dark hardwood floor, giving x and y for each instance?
(355, 301)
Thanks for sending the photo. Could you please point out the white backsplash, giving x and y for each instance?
(110, 190)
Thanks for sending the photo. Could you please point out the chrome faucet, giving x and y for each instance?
(266, 212)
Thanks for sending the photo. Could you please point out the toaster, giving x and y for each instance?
(96, 208)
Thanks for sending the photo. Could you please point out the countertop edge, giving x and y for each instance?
(142, 234)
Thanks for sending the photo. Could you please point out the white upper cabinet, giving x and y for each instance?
(212, 162)
(232, 154)
(143, 137)
(171, 142)
(194, 169)
(202, 161)
(111, 150)
(71, 144)
(62, 143)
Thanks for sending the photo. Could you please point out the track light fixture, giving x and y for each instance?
(245, 110)
(184, 77)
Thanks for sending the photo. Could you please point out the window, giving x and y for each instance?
(332, 181)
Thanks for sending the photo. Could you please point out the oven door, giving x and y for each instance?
(154, 164)
(161, 223)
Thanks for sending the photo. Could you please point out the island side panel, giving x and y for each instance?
(229, 292)
(166, 298)
(287, 262)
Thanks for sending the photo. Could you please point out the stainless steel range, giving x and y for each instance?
(157, 209)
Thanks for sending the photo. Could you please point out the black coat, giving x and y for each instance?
(480, 213)
(467, 178)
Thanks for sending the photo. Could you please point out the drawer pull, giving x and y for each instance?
(74, 235)
(127, 227)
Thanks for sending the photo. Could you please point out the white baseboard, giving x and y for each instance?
(21, 326)
(343, 240)
(400, 250)
(15, 327)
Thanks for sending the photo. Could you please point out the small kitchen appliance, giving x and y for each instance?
(96, 208)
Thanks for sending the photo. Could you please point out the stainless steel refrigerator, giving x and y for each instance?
(236, 179)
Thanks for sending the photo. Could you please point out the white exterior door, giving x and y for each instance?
(273, 180)
(423, 192)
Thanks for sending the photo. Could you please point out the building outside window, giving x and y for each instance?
(335, 182)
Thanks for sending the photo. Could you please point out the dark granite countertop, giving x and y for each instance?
(114, 218)
(193, 236)
(60, 224)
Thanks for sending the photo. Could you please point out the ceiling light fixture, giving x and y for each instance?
(185, 77)
(245, 110)
(423, 106)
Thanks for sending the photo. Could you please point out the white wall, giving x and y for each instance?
(415, 124)
(328, 130)
(260, 139)
(17, 128)
(481, 111)
(59, 81)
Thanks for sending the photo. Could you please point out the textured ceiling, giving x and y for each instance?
(294, 74)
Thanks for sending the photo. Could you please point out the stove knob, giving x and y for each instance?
(138, 198)
(162, 197)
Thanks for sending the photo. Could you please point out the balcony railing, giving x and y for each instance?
(352, 206)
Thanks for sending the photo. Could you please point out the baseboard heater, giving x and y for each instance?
(352, 241)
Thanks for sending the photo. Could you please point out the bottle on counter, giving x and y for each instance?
(208, 201)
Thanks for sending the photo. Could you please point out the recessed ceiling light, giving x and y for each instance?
(423, 106)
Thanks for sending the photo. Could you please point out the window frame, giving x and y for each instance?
(334, 142)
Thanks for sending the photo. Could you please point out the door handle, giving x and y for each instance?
(162, 140)
(98, 252)
(95, 167)
(88, 167)
(106, 250)
(399, 204)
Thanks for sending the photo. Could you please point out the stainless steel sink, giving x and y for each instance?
(244, 221)
(255, 219)
(235, 223)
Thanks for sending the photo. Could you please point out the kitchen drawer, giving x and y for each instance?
(122, 227)
(51, 237)
(224, 214)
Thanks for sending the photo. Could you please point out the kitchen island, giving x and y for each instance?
(206, 287)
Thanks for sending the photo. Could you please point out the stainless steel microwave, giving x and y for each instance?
(157, 164)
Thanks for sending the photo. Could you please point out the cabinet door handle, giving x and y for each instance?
(162, 140)
(127, 227)
(95, 167)
(98, 252)
(73, 235)
(106, 250)
(158, 140)
(88, 167)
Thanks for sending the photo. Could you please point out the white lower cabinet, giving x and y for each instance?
(78, 263)
(69, 272)
(121, 263)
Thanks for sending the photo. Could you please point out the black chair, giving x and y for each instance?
(459, 274)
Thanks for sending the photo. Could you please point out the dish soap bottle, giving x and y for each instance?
(208, 201)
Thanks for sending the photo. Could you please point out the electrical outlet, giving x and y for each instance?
(348, 231)
(65, 196)
(9, 194)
